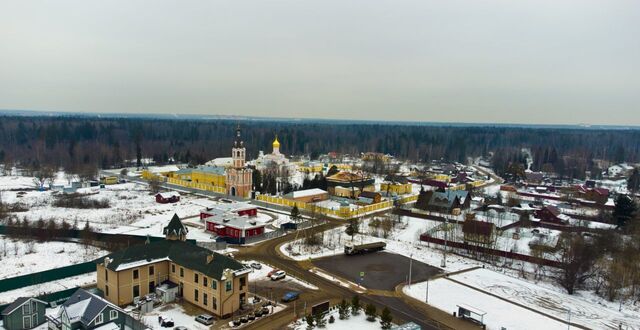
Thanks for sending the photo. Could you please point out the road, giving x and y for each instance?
(403, 308)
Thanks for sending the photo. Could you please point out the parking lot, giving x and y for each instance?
(382, 270)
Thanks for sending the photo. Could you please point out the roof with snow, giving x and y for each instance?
(84, 306)
(185, 254)
(235, 221)
(169, 194)
(306, 193)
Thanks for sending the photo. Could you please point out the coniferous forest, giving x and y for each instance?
(83, 144)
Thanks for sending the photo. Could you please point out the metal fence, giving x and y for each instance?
(46, 276)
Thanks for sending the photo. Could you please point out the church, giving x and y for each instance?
(275, 159)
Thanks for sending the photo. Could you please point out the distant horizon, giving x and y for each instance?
(188, 116)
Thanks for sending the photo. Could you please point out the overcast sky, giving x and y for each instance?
(509, 61)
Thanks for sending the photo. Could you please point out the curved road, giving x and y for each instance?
(403, 308)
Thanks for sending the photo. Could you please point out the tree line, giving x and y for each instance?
(83, 144)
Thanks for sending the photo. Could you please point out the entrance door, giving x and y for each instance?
(152, 286)
(136, 291)
(233, 191)
(180, 287)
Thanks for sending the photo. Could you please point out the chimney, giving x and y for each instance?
(107, 261)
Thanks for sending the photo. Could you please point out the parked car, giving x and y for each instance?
(278, 275)
(290, 296)
(180, 328)
(205, 319)
(273, 271)
(256, 265)
(166, 322)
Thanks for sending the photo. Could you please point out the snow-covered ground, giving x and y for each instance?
(262, 275)
(586, 308)
(21, 257)
(445, 295)
(133, 209)
(352, 323)
(48, 287)
(175, 312)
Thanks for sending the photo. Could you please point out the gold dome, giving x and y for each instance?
(276, 143)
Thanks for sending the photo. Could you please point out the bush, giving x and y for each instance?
(343, 310)
(331, 319)
(355, 305)
(76, 201)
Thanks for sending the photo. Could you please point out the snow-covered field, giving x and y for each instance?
(21, 257)
(175, 312)
(445, 295)
(133, 209)
(54, 286)
(586, 309)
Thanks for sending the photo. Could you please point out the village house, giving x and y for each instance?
(551, 214)
(24, 313)
(85, 310)
(214, 282)
(234, 228)
(347, 184)
(236, 208)
(444, 202)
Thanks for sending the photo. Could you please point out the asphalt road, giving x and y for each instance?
(402, 309)
(382, 270)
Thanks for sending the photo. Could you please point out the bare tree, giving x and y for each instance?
(578, 258)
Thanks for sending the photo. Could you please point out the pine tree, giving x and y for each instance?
(343, 309)
(386, 318)
(355, 305)
(633, 184)
(624, 210)
(320, 320)
(295, 214)
(309, 320)
(370, 311)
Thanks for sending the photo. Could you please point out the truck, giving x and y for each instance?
(351, 248)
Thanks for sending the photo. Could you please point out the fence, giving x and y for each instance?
(489, 251)
(46, 276)
(183, 183)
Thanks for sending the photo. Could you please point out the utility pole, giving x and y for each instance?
(427, 297)
(569, 320)
(410, 265)
(444, 256)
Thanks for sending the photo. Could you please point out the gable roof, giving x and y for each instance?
(17, 303)
(175, 227)
(84, 306)
(447, 198)
(182, 253)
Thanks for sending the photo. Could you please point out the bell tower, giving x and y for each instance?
(238, 152)
(239, 178)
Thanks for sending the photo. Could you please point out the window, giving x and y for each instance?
(26, 322)
(195, 278)
(135, 274)
(113, 315)
(181, 272)
(214, 303)
(243, 282)
(195, 295)
(173, 268)
(229, 286)
(99, 319)
(26, 309)
(34, 306)
(214, 284)
(106, 290)
(34, 319)
(205, 299)
(106, 275)
(136, 291)
(204, 281)
(151, 270)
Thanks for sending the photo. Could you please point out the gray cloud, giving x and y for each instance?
(527, 61)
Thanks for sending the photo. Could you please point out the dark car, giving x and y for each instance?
(290, 296)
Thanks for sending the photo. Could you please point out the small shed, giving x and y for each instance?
(167, 291)
(168, 197)
(24, 313)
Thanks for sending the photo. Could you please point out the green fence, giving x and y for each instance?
(46, 276)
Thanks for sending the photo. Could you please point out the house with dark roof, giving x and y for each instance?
(85, 310)
(211, 281)
(551, 213)
(24, 313)
(444, 202)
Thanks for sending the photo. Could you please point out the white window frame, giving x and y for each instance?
(34, 320)
(26, 309)
(113, 314)
(26, 318)
(99, 319)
